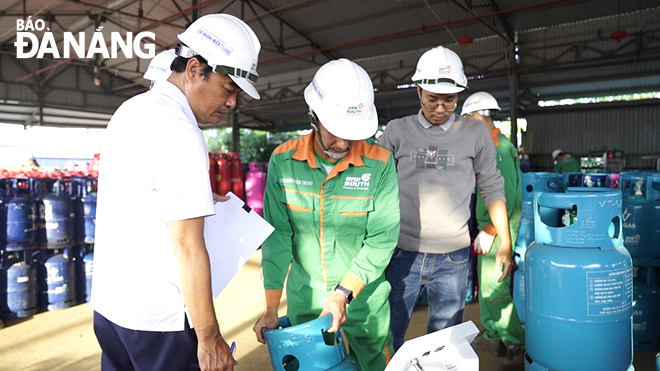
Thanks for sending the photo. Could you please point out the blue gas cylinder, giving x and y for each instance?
(20, 222)
(89, 213)
(578, 285)
(60, 282)
(4, 201)
(423, 298)
(304, 347)
(472, 284)
(78, 252)
(532, 182)
(77, 192)
(469, 294)
(60, 218)
(646, 318)
(519, 289)
(38, 189)
(89, 272)
(653, 236)
(641, 213)
(18, 287)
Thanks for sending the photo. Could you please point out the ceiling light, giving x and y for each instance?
(618, 35)
(465, 40)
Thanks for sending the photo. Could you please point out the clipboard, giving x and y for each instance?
(232, 235)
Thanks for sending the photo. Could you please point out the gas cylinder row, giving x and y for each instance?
(226, 174)
(46, 237)
(641, 231)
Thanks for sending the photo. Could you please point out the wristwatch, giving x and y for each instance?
(347, 293)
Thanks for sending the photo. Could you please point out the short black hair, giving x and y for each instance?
(179, 64)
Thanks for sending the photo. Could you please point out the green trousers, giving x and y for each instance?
(367, 328)
(498, 315)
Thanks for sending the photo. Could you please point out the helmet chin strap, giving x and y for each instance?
(313, 122)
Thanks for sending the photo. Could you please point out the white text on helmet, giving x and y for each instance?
(216, 41)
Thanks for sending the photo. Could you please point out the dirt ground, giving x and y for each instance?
(64, 339)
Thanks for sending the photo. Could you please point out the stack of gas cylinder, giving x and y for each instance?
(587, 256)
(46, 239)
(641, 230)
(226, 174)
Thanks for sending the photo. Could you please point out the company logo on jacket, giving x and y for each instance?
(296, 181)
(357, 182)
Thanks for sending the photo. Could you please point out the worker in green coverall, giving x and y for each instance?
(565, 164)
(333, 200)
(503, 334)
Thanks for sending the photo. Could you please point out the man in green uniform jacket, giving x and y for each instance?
(503, 333)
(565, 164)
(333, 200)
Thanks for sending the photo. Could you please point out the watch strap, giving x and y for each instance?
(347, 293)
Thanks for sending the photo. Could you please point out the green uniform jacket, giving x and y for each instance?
(567, 165)
(508, 164)
(335, 228)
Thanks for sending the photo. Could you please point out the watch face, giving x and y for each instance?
(347, 293)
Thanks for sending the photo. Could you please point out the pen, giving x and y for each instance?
(232, 348)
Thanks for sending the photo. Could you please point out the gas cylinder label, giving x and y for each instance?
(609, 292)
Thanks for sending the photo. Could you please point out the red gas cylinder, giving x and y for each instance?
(237, 182)
(223, 175)
(213, 165)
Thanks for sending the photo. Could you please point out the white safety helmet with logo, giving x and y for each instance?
(342, 96)
(440, 71)
(159, 67)
(480, 102)
(229, 46)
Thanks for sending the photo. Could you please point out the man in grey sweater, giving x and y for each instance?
(440, 158)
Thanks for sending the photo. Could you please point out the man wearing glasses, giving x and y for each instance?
(440, 158)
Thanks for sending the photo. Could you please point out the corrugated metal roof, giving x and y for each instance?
(565, 46)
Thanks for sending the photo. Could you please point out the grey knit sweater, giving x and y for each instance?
(438, 167)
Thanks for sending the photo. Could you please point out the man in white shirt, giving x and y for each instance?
(152, 281)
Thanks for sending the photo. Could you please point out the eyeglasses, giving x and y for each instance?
(433, 106)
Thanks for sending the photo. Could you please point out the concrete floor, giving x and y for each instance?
(64, 339)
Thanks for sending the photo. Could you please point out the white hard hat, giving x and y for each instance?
(556, 153)
(440, 71)
(480, 101)
(229, 46)
(342, 96)
(159, 67)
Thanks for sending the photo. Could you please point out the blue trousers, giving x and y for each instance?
(128, 350)
(445, 278)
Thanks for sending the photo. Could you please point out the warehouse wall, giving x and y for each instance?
(631, 127)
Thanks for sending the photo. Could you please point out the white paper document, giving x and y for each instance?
(232, 235)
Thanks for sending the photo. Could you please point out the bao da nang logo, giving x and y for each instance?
(29, 45)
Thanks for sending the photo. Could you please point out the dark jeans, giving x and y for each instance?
(128, 350)
(445, 279)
